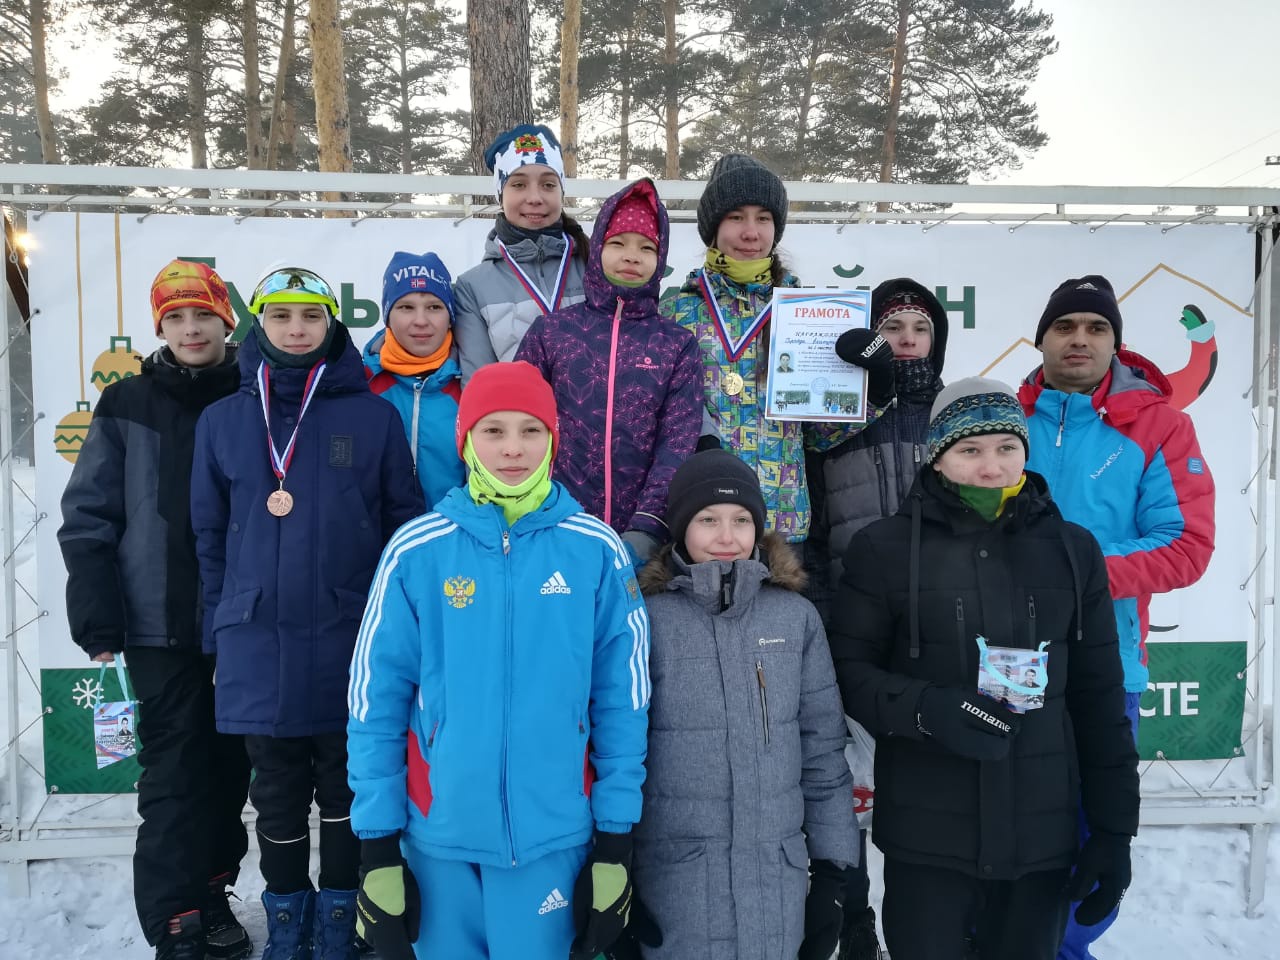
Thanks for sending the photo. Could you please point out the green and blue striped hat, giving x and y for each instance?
(973, 407)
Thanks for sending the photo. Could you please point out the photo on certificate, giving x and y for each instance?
(806, 380)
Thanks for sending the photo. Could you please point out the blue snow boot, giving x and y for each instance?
(333, 932)
(288, 925)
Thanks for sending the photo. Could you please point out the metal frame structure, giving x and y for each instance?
(34, 190)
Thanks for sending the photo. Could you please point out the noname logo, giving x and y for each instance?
(986, 717)
(460, 591)
(1106, 463)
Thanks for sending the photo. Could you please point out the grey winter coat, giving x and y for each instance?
(492, 309)
(746, 774)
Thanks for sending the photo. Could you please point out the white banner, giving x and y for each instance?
(91, 276)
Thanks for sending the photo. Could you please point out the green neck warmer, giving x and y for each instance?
(632, 284)
(987, 502)
(516, 501)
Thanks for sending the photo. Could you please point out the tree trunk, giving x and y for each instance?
(40, 70)
(197, 92)
(329, 82)
(798, 166)
(405, 108)
(624, 104)
(570, 31)
(501, 93)
(671, 63)
(254, 148)
(889, 151)
(284, 65)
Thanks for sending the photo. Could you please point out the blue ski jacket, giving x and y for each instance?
(499, 689)
(429, 408)
(1126, 465)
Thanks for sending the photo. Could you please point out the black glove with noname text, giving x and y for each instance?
(1103, 861)
(966, 722)
(870, 351)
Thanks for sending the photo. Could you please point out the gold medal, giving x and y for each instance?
(280, 503)
(731, 383)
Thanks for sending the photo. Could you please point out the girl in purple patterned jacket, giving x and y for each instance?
(627, 381)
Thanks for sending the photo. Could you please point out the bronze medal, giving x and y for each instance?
(731, 383)
(280, 503)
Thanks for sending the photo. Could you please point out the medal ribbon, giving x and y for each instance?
(733, 349)
(531, 288)
(280, 462)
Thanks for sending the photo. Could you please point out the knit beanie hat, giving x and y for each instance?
(185, 283)
(901, 304)
(707, 478)
(521, 146)
(507, 386)
(973, 407)
(737, 180)
(637, 212)
(1089, 294)
(415, 273)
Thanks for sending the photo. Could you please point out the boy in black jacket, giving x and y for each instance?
(133, 582)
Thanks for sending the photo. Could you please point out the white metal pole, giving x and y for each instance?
(10, 638)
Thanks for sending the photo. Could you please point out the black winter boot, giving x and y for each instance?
(858, 940)
(225, 937)
(183, 938)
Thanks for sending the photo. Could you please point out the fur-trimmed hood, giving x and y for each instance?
(777, 561)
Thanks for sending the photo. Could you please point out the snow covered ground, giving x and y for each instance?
(1186, 903)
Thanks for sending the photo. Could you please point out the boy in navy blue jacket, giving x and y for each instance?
(504, 652)
(299, 480)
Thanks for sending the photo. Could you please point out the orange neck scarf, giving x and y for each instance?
(396, 359)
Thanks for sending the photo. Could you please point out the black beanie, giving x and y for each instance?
(710, 477)
(1089, 294)
(737, 180)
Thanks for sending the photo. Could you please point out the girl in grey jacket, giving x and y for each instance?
(747, 826)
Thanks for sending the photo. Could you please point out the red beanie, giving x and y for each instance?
(507, 386)
(637, 212)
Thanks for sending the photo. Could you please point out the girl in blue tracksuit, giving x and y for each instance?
(413, 364)
(504, 653)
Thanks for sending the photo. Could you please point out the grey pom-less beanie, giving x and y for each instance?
(737, 180)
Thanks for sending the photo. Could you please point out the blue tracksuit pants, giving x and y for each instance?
(475, 912)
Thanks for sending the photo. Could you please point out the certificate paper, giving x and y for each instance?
(807, 381)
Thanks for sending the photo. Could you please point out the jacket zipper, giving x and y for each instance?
(960, 634)
(881, 480)
(1031, 619)
(432, 739)
(764, 700)
(413, 435)
(506, 700)
(1062, 423)
(608, 417)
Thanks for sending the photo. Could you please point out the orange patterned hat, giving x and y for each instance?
(186, 283)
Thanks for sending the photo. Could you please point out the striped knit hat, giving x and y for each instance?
(971, 408)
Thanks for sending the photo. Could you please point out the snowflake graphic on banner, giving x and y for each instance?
(86, 693)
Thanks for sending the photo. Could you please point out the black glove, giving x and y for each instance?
(823, 910)
(708, 441)
(870, 351)
(1104, 861)
(602, 896)
(388, 906)
(641, 930)
(966, 722)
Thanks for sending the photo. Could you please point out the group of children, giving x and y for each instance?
(434, 624)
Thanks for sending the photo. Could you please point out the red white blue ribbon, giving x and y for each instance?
(734, 349)
(557, 294)
(280, 462)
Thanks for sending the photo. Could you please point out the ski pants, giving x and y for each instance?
(192, 791)
(289, 772)
(930, 912)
